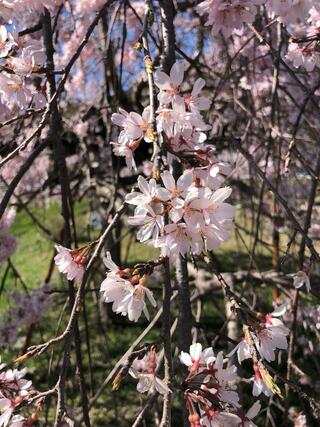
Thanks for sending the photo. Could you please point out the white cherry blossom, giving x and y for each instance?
(270, 337)
(150, 192)
(216, 418)
(70, 262)
(148, 382)
(195, 102)
(127, 295)
(170, 85)
(135, 126)
(259, 386)
(300, 279)
(252, 413)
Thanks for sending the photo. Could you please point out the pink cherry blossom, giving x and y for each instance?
(127, 295)
(6, 11)
(197, 103)
(13, 90)
(306, 56)
(271, 336)
(301, 278)
(259, 385)
(135, 127)
(70, 262)
(6, 41)
(150, 222)
(216, 418)
(149, 382)
(289, 11)
(174, 241)
(122, 148)
(170, 85)
(30, 57)
(197, 358)
(252, 413)
(242, 350)
(150, 192)
(226, 15)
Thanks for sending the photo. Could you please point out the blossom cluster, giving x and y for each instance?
(268, 334)
(126, 289)
(194, 203)
(14, 391)
(210, 390)
(225, 16)
(71, 262)
(21, 57)
(304, 45)
(200, 218)
(9, 8)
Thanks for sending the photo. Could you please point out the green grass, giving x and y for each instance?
(34, 248)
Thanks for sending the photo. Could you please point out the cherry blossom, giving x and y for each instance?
(170, 85)
(122, 148)
(148, 382)
(226, 15)
(252, 413)
(301, 278)
(222, 389)
(306, 56)
(6, 11)
(151, 223)
(242, 350)
(135, 127)
(175, 240)
(215, 418)
(35, 5)
(13, 90)
(183, 210)
(70, 262)
(196, 359)
(195, 102)
(6, 41)
(271, 336)
(259, 386)
(289, 11)
(150, 192)
(14, 389)
(126, 293)
(29, 59)
(7, 407)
